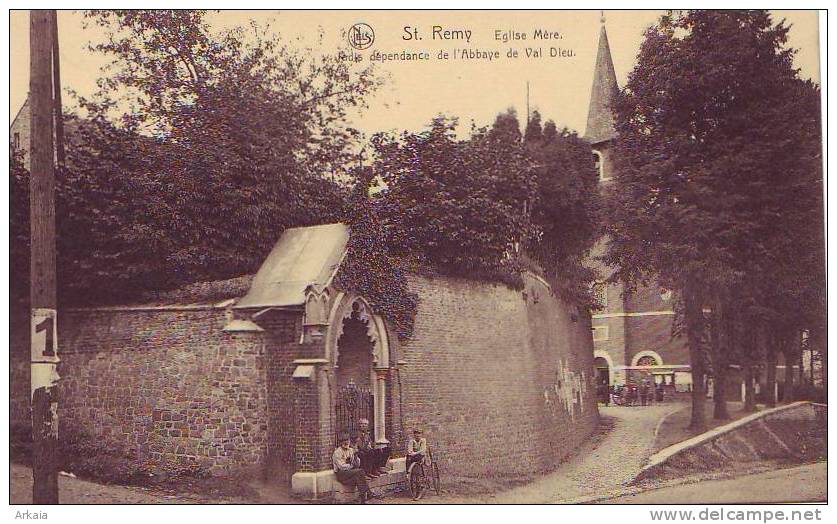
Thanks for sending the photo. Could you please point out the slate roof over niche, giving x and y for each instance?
(302, 256)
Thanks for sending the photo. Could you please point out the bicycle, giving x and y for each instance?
(418, 480)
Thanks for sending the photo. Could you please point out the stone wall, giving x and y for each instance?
(281, 348)
(168, 385)
(501, 381)
(490, 372)
(19, 412)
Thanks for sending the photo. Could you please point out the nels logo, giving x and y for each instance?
(361, 36)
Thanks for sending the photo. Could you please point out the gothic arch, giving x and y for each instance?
(343, 307)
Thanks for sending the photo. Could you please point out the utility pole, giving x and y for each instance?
(44, 356)
(56, 94)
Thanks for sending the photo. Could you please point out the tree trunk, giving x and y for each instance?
(720, 347)
(694, 333)
(749, 386)
(719, 393)
(799, 358)
(770, 372)
(787, 393)
(823, 361)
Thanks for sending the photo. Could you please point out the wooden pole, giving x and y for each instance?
(56, 94)
(44, 358)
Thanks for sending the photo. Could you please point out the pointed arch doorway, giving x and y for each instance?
(358, 350)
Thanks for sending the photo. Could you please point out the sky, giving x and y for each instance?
(416, 91)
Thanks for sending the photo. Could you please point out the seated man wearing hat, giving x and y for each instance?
(372, 459)
(346, 468)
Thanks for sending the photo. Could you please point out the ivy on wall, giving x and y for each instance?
(370, 269)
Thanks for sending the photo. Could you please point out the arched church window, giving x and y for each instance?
(647, 360)
(598, 163)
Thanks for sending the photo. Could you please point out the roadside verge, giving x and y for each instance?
(794, 433)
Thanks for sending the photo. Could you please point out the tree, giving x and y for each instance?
(491, 205)
(567, 211)
(534, 130)
(703, 155)
(457, 206)
(18, 224)
(371, 268)
(104, 210)
(169, 69)
(198, 150)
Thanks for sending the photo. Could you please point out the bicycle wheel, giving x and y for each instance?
(416, 481)
(437, 481)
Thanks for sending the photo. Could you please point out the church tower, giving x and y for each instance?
(603, 95)
(632, 332)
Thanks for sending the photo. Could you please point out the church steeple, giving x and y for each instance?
(603, 94)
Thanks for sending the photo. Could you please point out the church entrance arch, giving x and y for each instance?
(603, 367)
(602, 371)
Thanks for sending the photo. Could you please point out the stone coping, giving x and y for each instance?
(320, 484)
(141, 309)
(666, 453)
(310, 361)
(242, 326)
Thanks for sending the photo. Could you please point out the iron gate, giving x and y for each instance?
(353, 403)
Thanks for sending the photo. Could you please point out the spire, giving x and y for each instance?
(603, 94)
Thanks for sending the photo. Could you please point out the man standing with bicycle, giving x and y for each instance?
(422, 468)
(416, 449)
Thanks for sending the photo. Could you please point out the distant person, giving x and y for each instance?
(643, 392)
(346, 467)
(659, 393)
(372, 459)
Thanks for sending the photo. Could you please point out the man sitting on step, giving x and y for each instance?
(373, 459)
(346, 468)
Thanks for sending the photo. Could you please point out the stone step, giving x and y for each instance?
(392, 482)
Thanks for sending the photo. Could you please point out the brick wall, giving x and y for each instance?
(653, 333)
(281, 343)
(169, 385)
(649, 297)
(501, 381)
(611, 341)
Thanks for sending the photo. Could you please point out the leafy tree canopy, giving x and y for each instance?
(197, 151)
(492, 204)
(718, 169)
